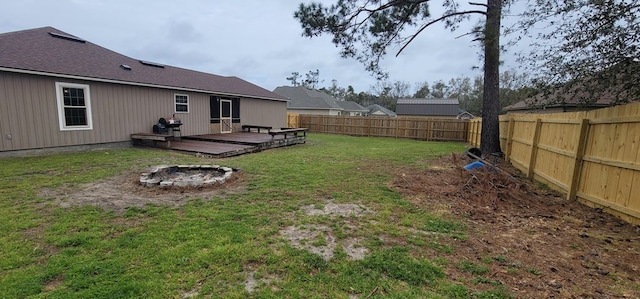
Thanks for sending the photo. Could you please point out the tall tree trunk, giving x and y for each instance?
(490, 137)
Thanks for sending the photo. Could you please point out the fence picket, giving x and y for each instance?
(430, 129)
(593, 157)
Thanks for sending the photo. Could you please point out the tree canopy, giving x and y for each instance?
(312, 79)
(365, 29)
(583, 48)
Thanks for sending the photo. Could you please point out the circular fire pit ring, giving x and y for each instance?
(185, 175)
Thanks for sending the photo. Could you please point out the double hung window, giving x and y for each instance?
(74, 106)
(182, 103)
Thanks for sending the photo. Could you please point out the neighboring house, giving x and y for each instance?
(58, 90)
(540, 104)
(350, 108)
(449, 108)
(377, 110)
(303, 100)
(465, 115)
(596, 91)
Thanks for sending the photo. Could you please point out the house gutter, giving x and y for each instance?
(20, 71)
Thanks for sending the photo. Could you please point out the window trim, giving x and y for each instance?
(175, 103)
(60, 103)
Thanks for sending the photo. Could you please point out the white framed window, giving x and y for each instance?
(74, 106)
(182, 103)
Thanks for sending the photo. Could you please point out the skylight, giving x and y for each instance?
(125, 67)
(67, 37)
(149, 63)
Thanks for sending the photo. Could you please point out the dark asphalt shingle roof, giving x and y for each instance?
(375, 107)
(301, 97)
(543, 102)
(41, 50)
(352, 106)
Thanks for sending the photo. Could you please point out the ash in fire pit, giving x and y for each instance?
(185, 175)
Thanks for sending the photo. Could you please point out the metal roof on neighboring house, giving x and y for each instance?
(51, 52)
(428, 101)
(301, 97)
(428, 107)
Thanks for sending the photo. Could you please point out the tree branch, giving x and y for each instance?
(468, 33)
(370, 12)
(436, 21)
(397, 33)
(478, 4)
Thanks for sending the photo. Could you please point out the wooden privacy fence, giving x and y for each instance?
(593, 156)
(293, 120)
(475, 126)
(431, 129)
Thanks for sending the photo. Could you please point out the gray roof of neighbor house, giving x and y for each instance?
(375, 107)
(49, 51)
(542, 102)
(579, 93)
(301, 97)
(428, 107)
(352, 106)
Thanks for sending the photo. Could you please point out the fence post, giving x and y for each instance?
(534, 148)
(509, 143)
(478, 133)
(577, 163)
(367, 127)
(430, 125)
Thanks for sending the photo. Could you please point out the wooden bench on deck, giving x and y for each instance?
(249, 127)
(289, 132)
(140, 137)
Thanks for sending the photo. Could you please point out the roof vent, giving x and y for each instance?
(125, 67)
(67, 37)
(149, 63)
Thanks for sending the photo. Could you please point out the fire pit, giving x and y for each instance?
(185, 175)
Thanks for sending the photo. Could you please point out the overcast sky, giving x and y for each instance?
(256, 40)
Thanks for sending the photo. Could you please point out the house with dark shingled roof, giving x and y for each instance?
(304, 100)
(58, 91)
(377, 110)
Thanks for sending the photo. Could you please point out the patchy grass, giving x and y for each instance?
(472, 268)
(210, 246)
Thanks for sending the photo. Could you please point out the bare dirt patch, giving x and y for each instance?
(320, 239)
(336, 209)
(533, 241)
(124, 191)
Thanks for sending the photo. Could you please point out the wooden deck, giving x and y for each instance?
(224, 145)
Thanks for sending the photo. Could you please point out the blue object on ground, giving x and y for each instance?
(474, 165)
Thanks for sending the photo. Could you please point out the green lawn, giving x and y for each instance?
(211, 247)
